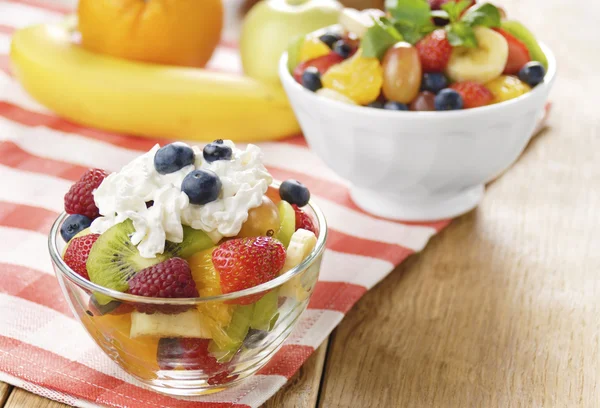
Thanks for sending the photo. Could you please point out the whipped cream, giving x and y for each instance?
(123, 195)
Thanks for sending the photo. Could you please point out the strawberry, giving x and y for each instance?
(169, 279)
(518, 54)
(473, 94)
(243, 263)
(80, 199)
(77, 253)
(303, 220)
(322, 64)
(434, 51)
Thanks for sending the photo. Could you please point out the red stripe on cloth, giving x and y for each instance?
(34, 286)
(340, 242)
(12, 155)
(5, 65)
(4, 29)
(30, 118)
(287, 360)
(46, 5)
(340, 296)
(49, 370)
(26, 217)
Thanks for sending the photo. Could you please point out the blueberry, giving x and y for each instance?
(217, 150)
(329, 39)
(294, 192)
(173, 157)
(73, 225)
(433, 82)
(201, 186)
(397, 106)
(448, 99)
(311, 79)
(532, 73)
(254, 338)
(376, 105)
(342, 49)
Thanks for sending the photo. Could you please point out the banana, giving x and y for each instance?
(301, 244)
(480, 64)
(145, 99)
(186, 324)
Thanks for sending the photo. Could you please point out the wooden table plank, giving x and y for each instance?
(303, 388)
(5, 390)
(502, 308)
(20, 398)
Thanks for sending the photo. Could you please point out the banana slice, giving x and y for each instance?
(358, 22)
(481, 64)
(301, 244)
(186, 324)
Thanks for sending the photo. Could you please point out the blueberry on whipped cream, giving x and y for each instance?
(209, 195)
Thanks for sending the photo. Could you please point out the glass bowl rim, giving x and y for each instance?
(65, 270)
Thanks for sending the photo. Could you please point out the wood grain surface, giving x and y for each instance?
(502, 308)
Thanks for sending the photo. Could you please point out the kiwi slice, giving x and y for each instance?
(521, 32)
(236, 332)
(114, 260)
(265, 310)
(193, 241)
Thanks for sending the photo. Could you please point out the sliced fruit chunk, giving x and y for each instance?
(322, 64)
(225, 348)
(262, 220)
(186, 324)
(77, 253)
(301, 245)
(522, 33)
(193, 241)
(507, 87)
(481, 64)
(518, 54)
(114, 260)
(312, 48)
(287, 216)
(187, 354)
(243, 263)
(473, 94)
(358, 78)
(303, 220)
(265, 310)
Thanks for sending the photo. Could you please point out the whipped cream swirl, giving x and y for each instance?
(125, 194)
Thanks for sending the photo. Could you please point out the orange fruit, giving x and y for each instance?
(171, 32)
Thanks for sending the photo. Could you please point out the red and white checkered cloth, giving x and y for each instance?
(44, 349)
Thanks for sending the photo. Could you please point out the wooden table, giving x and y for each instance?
(502, 308)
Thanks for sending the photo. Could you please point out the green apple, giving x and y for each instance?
(272, 24)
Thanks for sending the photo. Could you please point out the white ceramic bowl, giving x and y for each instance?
(417, 165)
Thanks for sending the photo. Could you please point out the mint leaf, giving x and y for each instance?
(484, 14)
(461, 34)
(412, 33)
(378, 38)
(455, 9)
(413, 12)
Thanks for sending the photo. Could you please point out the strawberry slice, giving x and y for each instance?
(247, 262)
(78, 252)
(518, 54)
(304, 221)
(322, 64)
(473, 94)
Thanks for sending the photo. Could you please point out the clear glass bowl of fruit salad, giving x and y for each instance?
(421, 105)
(188, 268)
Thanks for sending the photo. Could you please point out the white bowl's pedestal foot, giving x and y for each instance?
(426, 208)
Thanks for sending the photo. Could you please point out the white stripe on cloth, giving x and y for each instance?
(26, 248)
(34, 189)
(12, 92)
(357, 269)
(314, 327)
(49, 191)
(21, 15)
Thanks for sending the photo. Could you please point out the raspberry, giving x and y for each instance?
(77, 253)
(169, 279)
(303, 220)
(434, 51)
(247, 262)
(79, 199)
(473, 94)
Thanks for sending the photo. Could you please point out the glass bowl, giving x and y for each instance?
(182, 364)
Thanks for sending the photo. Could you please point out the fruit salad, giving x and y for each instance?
(420, 55)
(182, 223)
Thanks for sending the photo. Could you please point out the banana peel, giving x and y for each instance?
(145, 99)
